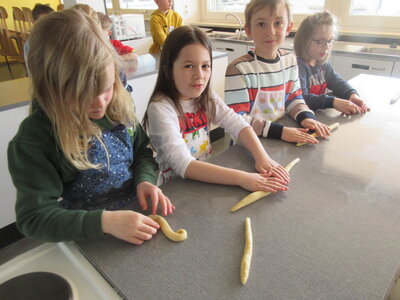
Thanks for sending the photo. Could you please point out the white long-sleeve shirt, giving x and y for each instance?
(177, 146)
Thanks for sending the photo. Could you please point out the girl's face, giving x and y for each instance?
(268, 30)
(191, 71)
(321, 43)
(98, 106)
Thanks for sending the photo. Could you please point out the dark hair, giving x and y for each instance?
(165, 85)
(41, 9)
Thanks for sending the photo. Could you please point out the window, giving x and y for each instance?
(298, 6)
(356, 16)
(375, 8)
(142, 4)
(145, 7)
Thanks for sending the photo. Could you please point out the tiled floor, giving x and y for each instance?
(17, 69)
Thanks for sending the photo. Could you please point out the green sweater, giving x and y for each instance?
(40, 172)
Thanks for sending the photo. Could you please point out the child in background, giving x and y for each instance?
(81, 156)
(263, 84)
(181, 110)
(127, 53)
(39, 11)
(162, 22)
(313, 42)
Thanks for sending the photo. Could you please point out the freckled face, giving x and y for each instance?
(318, 53)
(191, 71)
(268, 30)
(98, 106)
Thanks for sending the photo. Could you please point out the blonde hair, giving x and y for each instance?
(255, 5)
(104, 20)
(68, 58)
(305, 32)
(86, 9)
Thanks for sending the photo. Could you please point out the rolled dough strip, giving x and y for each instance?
(247, 252)
(314, 134)
(253, 197)
(177, 236)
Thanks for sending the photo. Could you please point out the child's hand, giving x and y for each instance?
(321, 129)
(269, 167)
(146, 189)
(262, 182)
(361, 104)
(297, 135)
(347, 107)
(129, 226)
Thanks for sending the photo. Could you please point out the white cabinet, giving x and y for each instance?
(9, 124)
(140, 45)
(350, 66)
(396, 69)
(233, 49)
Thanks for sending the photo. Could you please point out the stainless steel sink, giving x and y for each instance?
(220, 35)
(383, 51)
(239, 38)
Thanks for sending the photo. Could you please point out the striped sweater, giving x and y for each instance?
(241, 86)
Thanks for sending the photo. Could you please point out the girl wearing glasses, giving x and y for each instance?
(313, 43)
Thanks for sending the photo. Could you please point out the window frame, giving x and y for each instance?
(382, 25)
(116, 8)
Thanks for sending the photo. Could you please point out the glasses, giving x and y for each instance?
(323, 43)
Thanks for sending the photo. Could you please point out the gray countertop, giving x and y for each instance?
(333, 235)
(148, 64)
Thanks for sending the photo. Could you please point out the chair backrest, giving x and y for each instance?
(3, 30)
(27, 12)
(19, 21)
(7, 46)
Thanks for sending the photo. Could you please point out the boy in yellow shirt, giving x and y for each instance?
(162, 22)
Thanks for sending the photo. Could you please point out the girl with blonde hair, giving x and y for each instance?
(81, 155)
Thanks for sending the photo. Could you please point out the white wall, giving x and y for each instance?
(189, 10)
(97, 5)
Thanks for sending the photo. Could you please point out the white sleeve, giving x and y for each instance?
(166, 138)
(226, 118)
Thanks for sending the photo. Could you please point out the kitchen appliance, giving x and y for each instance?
(65, 262)
(128, 27)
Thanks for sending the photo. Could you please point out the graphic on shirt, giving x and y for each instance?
(194, 130)
(318, 84)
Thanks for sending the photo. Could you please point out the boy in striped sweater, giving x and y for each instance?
(263, 84)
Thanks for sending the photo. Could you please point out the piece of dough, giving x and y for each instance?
(253, 197)
(247, 252)
(314, 134)
(177, 236)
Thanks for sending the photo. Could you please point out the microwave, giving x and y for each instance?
(127, 27)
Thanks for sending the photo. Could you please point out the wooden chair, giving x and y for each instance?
(7, 47)
(27, 12)
(20, 27)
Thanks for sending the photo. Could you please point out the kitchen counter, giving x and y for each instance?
(148, 64)
(378, 51)
(16, 92)
(333, 235)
